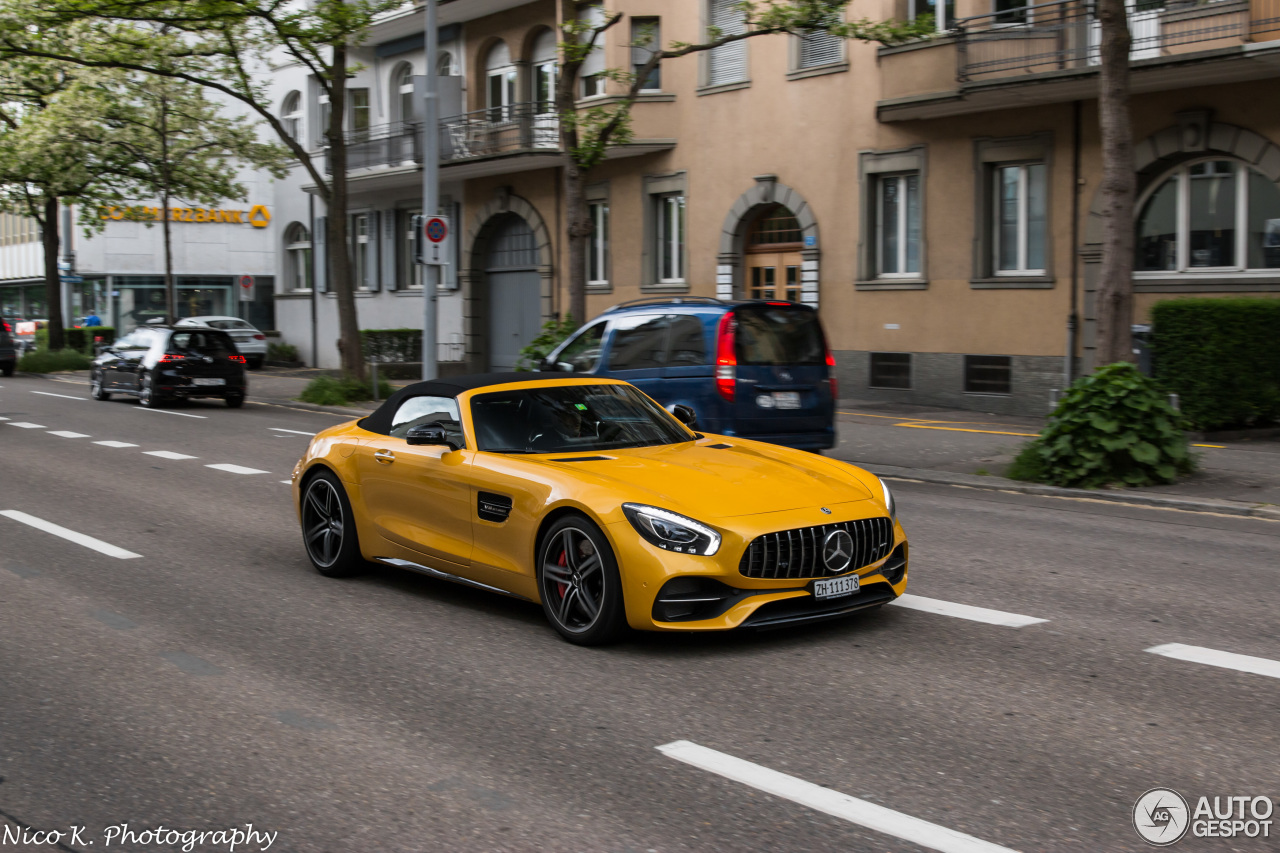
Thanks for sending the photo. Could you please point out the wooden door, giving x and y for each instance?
(774, 275)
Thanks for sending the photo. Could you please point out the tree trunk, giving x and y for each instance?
(1115, 285)
(580, 230)
(52, 277)
(338, 252)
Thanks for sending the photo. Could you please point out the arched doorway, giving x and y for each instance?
(514, 289)
(772, 255)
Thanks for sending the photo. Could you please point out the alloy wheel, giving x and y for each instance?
(573, 581)
(322, 524)
(146, 394)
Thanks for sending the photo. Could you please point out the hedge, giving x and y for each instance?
(1221, 357)
(82, 339)
(391, 345)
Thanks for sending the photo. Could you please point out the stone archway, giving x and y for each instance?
(484, 227)
(1194, 136)
(733, 237)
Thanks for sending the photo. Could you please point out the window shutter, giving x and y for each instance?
(594, 63)
(728, 63)
(819, 47)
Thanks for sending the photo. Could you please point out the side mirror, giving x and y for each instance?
(684, 415)
(432, 433)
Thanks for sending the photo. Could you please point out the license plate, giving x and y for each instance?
(208, 382)
(835, 587)
(786, 399)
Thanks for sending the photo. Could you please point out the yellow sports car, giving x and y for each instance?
(585, 495)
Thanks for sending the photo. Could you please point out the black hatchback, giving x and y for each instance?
(8, 348)
(159, 363)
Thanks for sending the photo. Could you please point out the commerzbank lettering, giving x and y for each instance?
(258, 216)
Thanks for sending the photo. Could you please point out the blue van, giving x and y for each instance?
(755, 369)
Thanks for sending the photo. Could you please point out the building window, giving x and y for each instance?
(944, 13)
(500, 83)
(361, 247)
(1210, 215)
(819, 48)
(291, 114)
(1012, 12)
(544, 71)
(409, 271)
(297, 248)
(890, 370)
(592, 71)
(322, 117)
(360, 113)
(988, 374)
(598, 251)
(444, 64)
(898, 226)
(1019, 219)
(670, 239)
(727, 63)
(646, 40)
(402, 89)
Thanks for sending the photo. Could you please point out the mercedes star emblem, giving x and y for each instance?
(837, 550)
(825, 511)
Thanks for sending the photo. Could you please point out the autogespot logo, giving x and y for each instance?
(1161, 817)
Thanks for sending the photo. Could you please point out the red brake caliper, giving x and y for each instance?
(563, 561)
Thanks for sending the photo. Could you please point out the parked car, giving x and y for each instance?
(759, 370)
(8, 349)
(160, 363)
(250, 342)
(24, 332)
(584, 495)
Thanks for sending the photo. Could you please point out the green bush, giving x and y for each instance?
(553, 332)
(46, 361)
(332, 391)
(1115, 426)
(391, 344)
(82, 339)
(1221, 357)
(282, 352)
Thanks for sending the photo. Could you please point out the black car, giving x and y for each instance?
(159, 363)
(8, 348)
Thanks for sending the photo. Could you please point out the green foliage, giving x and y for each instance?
(1115, 426)
(282, 352)
(553, 332)
(53, 361)
(1221, 357)
(334, 391)
(83, 339)
(391, 345)
(1028, 465)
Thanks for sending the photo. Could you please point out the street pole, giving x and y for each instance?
(430, 190)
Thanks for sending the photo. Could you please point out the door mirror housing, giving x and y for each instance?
(435, 432)
(684, 415)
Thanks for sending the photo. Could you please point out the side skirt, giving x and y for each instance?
(436, 573)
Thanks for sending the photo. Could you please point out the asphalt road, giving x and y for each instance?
(215, 680)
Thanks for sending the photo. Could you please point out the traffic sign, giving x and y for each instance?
(435, 239)
(72, 279)
(246, 288)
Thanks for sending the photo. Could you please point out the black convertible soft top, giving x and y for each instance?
(380, 420)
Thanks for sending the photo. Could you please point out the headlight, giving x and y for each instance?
(888, 500)
(672, 531)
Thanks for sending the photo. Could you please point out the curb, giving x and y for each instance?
(999, 484)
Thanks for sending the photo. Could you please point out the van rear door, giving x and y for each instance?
(782, 375)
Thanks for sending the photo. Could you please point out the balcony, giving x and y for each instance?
(1049, 52)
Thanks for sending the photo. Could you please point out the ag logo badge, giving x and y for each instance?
(1161, 817)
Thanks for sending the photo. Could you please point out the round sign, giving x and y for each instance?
(1161, 816)
(246, 281)
(436, 229)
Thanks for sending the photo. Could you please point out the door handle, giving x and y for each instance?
(386, 457)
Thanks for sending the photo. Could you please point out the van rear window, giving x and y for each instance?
(779, 335)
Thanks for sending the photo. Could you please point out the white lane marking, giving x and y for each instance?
(965, 611)
(63, 396)
(236, 469)
(3, 419)
(834, 803)
(70, 535)
(25, 425)
(1213, 657)
(62, 433)
(294, 431)
(168, 454)
(179, 414)
(115, 444)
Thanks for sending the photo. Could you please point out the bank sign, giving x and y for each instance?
(258, 216)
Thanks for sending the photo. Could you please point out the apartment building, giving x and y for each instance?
(936, 201)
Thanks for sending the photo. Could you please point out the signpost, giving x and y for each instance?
(246, 288)
(436, 239)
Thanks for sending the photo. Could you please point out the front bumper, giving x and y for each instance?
(666, 591)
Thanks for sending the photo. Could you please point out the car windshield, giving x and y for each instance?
(779, 335)
(564, 418)
(205, 343)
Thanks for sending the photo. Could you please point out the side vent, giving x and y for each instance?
(582, 459)
(719, 446)
(493, 507)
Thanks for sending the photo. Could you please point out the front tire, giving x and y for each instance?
(579, 583)
(329, 529)
(96, 389)
(148, 396)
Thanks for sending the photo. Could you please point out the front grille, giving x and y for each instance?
(798, 553)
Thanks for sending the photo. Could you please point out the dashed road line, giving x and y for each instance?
(168, 454)
(236, 469)
(294, 431)
(69, 535)
(62, 433)
(965, 611)
(834, 803)
(115, 444)
(27, 425)
(63, 396)
(1213, 657)
(166, 412)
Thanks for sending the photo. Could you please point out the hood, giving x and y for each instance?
(708, 483)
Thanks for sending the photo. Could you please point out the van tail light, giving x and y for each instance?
(237, 358)
(170, 357)
(831, 375)
(726, 358)
(259, 337)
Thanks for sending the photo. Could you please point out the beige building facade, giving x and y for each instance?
(936, 201)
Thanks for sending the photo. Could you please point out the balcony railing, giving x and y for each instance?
(1065, 34)
(510, 129)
